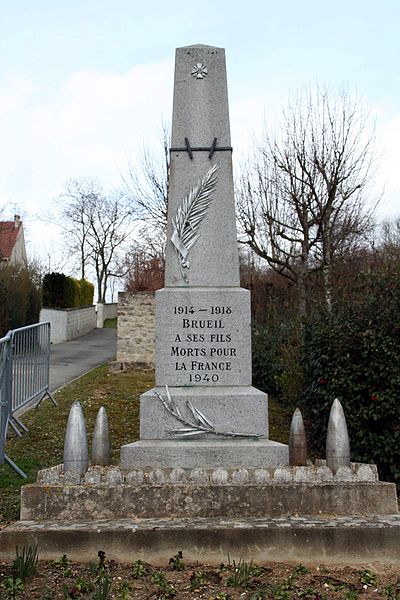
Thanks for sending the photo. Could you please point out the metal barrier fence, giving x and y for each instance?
(24, 377)
(5, 395)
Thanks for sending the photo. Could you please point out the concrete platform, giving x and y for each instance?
(339, 541)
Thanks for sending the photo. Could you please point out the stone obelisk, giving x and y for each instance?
(203, 411)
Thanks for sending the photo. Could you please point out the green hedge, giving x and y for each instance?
(60, 291)
(351, 353)
(20, 297)
(354, 354)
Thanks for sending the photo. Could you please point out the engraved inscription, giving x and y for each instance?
(201, 348)
(206, 338)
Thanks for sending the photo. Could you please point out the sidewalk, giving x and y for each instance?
(72, 359)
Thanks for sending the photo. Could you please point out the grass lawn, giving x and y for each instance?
(119, 393)
(43, 445)
(110, 323)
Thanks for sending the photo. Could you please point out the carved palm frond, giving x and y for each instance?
(189, 215)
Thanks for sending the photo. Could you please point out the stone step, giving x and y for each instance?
(339, 541)
(104, 501)
(204, 454)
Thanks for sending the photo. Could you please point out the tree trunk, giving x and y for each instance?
(326, 277)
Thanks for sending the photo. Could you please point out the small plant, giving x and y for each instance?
(83, 585)
(198, 581)
(25, 563)
(157, 578)
(123, 592)
(103, 588)
(47, 595)
(300, 570)
(392, 591)
(287, 584)
(13, 587)
(165, 589)
(63, 561)
(242, 573)
(101, 567)
(71, 592)
(279, 593)
(368, 577)
(261, 593)
(282, 590)
(309, 592)
(65, 565)
(176, 562)
(139, 569)
(350, 595)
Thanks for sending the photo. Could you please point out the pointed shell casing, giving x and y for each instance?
(75, 444)
(337, 439)
(101, 439)
(297, 441)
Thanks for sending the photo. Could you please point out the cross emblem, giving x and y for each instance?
(199, 70)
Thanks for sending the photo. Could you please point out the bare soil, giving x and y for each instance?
(64, 579)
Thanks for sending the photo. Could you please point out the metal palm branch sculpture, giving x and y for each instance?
(189, 216)
(200, 424)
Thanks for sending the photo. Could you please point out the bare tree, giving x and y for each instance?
(390, 238)
(96, 227)
(146, 185)
(75, 203)
(145, 266)
(304, 198)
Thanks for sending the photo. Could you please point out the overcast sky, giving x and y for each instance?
(84, 84)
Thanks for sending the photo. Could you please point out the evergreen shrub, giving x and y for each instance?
(276, 358)
(20, 297)
(61, 291)
(353, 353)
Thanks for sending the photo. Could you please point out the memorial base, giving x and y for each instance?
(289, 514)
(204, 454)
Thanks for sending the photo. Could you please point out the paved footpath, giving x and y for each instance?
(72, 359)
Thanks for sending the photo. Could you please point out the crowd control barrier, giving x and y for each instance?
(24, 378)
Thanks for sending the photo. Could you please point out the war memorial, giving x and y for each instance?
(204, 475)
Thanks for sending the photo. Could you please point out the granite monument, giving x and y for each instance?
(203, 411)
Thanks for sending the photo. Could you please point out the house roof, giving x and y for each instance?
(8, 236)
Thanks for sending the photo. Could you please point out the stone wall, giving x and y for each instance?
(136, 331)
(70, 323)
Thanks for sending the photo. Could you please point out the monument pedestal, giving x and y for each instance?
(236, 409)
(204, 454)
(203, 412)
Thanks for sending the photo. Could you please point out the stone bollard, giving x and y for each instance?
(101, 440)
(337, 439)
(75, 444)
(297, 441)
